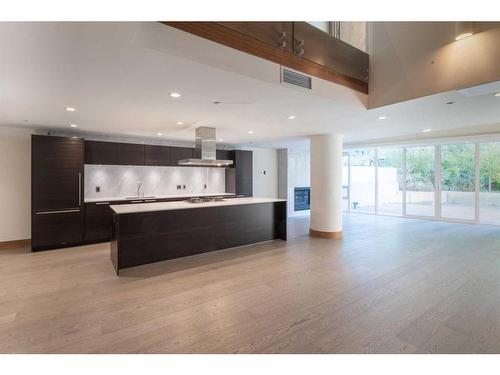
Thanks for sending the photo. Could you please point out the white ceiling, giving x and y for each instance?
(119, 76)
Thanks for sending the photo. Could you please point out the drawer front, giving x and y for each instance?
(56, 228)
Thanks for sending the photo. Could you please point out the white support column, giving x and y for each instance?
(326, 186)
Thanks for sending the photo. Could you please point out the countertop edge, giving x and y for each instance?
(182, 205)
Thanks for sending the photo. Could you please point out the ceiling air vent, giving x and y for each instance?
(296, 79)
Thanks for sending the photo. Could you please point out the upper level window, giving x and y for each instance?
(353, 33)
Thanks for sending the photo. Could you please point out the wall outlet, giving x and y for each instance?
(179, 187)
(183, 186)
(97, 189)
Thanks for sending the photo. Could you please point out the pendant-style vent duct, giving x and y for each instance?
(296, 79)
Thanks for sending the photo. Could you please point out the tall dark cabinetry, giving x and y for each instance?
(243, 166)
(57, 191)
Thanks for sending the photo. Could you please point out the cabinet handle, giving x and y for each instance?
(300, 43)
(99, 203)
(283, 35)
(79, 189)
(57, 212)
(301, 52)
(283, 44)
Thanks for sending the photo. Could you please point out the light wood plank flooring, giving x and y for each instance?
(390, 286)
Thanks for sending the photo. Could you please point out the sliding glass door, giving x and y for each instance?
(420, 181)
(451, 181)
(362, 181)
(489, 196)
(390, 178)
(458, 186)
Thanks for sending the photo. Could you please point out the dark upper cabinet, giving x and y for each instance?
(276, 34)
(243, 165)
(156, 155)
(57, 152)
(319, 47)
(113, 153)
(129, 154)
(97, 152)
(56, 173)
(179, 153)
(224, 155)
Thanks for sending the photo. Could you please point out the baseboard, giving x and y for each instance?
(320, 234)
(15, 244)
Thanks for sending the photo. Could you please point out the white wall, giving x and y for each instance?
(15, 184)
(414, 59)
(265, 172)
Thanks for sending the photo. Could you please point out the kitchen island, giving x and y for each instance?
(155, 232)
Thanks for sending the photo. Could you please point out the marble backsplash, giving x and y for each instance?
(117, 181)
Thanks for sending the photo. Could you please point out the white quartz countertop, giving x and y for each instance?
(181, 205)
(181, 196)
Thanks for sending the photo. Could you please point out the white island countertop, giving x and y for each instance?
(182, 205)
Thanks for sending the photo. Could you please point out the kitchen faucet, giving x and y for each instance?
(139, 184)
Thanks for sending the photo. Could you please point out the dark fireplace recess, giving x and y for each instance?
(302, 198)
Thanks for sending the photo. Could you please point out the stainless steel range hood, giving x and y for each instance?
(204, 152)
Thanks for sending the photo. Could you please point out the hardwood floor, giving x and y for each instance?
(390, 286)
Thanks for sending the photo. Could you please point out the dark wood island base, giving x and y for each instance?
(168, 232)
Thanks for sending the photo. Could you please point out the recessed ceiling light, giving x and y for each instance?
(381, 117)
(463, 29)
(497, 94)
(463, 36)
(250, 132)
(291, 117)
(426, 130)
(175, 95)
(180, 123)
(73, 125)
(159, 133)
(221, 140)
(70, 109)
